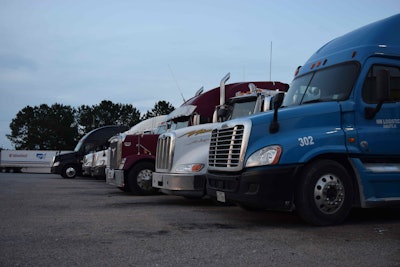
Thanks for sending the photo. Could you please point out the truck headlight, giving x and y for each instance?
(101, 163)
(55, 164)
(266, 156)
(185, 168)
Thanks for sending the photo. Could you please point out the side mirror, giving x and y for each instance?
(382, 93)
(277, 101)
(222, 113)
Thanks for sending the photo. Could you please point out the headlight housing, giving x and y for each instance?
(188, 168)
(55, 164)
(101, 163)
(266, 156)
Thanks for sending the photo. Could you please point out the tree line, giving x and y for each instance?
(59, 127)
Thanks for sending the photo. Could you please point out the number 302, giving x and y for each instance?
(306, 141)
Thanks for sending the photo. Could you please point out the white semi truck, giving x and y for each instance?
(181, 161)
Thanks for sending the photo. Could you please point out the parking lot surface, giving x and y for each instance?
(50, 221)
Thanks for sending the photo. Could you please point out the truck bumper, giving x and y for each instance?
(98, 171)
(86, 171)
(262, 187)
(180, 184)
(115, 177)
(55, 170)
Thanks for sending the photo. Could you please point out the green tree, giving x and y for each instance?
(44, 127)
(106, 113)
(59, 127)
(160, 108)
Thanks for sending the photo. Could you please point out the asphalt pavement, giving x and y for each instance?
(50, 221)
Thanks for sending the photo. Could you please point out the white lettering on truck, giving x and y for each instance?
(306, 141)
(388, 123)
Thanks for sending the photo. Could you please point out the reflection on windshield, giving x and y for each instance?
(181, 122)
(161, 129)
(78, 146)
(331, 84)
(242, 109)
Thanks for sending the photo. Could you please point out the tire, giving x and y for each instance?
(324, 194)
(140, 179)
(250, 208)
(69, 172)
(123, 189)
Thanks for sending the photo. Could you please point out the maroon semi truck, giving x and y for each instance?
(131, 160)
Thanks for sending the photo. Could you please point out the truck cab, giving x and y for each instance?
(181, 160)
(68, 165)
(94, 163)
(331, 145)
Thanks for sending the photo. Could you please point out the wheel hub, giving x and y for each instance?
(70, 172)
(329, 194)
(144, 179)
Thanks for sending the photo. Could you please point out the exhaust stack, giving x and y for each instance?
(222, 88)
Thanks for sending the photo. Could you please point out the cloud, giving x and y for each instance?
(14, 62)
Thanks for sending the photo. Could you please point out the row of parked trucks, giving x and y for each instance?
(326, 144)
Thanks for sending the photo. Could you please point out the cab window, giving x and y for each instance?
(369, 87)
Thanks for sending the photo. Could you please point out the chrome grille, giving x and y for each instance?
(115, 153)
(225, 147)
(164, 152)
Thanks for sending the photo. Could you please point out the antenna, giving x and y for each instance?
(177, 85)
(270, 62)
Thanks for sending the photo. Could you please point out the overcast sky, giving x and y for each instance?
(139, 52)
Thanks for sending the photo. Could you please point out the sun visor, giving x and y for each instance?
(182, 111)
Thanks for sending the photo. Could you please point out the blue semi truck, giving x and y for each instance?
(333, 141)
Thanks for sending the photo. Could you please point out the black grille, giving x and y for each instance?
(225, 147)
(163, 153)
(224, 185)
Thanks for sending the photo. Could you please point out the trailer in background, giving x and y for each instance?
(38, 161)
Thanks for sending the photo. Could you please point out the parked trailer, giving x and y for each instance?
(27, 160)
(334, 142)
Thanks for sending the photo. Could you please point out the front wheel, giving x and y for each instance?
(324, 193)
(69, 172)
(140, 179)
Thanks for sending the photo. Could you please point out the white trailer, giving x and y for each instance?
(27, 160)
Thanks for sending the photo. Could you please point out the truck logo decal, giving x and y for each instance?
(388, 123)
(196, 132)
(306, 141)
(41, 155)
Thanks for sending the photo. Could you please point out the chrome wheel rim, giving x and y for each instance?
(70, 172)
(144, 179)
(329, 194)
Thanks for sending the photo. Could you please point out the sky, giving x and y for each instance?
(81, 52)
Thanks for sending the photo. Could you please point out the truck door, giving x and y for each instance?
(379, 136)
(378, 164)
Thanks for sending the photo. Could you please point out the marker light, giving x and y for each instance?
(194, 167)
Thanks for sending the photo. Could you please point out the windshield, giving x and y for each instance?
(178, 123)
(161, 129)
(330, 84)
(241, 109)
(78, 146)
